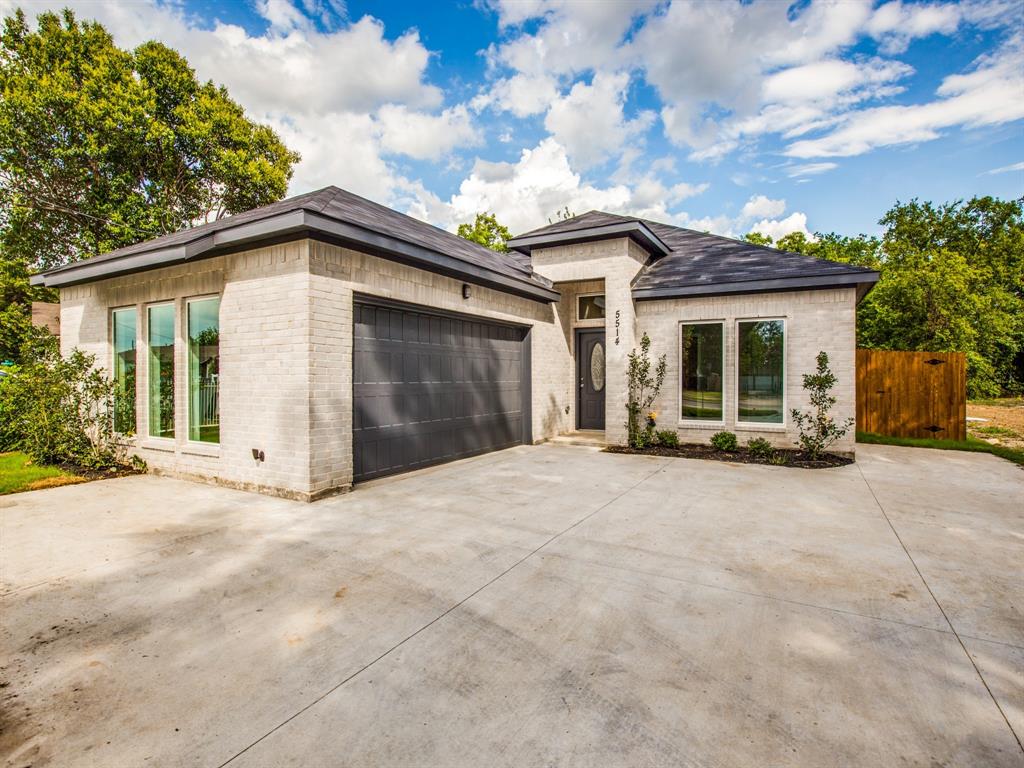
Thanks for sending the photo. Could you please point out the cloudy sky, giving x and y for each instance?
(720, 115)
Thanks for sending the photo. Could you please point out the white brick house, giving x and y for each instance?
(324, 339)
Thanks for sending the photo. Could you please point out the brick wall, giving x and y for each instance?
(616, 262)
(286, 356)
(815, 321)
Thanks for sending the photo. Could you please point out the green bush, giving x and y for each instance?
(818, 430)
(668, 438)
(724, 441)
(779, 459)
(59, 410)
(760, 448)
(642, 388)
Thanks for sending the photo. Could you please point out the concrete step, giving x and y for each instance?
(593, 438)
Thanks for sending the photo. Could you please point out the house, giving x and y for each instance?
(325, 339)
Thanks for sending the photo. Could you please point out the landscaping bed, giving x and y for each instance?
(18, 473)
(783, 457)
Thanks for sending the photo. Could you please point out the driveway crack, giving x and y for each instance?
(942, 610)
(460, 603)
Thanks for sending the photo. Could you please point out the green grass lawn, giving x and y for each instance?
(973, 444)
(18, 473)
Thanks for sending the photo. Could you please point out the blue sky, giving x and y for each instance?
(717, 115)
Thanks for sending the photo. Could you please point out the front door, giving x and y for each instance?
(590, 378)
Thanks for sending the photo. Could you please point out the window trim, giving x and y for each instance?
(212, 448)
(764, 426)
(579, 319)
(160, 440)
(113, 361)
(692, 423)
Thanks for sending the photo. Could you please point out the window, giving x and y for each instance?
(590, 307)
(124, 371)
(204, 370)
(700, 363)
(760, 372)
(160, 326)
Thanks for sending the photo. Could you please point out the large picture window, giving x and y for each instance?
(204, 370)
(160, 324)
(700, 364)
(760, 376)
(124, 371)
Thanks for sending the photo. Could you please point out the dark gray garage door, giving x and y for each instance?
(429, 388)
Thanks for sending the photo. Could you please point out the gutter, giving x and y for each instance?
(291, 226)
(636, 230)
(864, 281)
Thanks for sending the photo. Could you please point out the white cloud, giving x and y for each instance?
(989, 94)
(760, 205)
(522, 95)
(1005, 169)
(776, 228)
(809, 169)
(589, 120)
(895, 24)
(424, 136)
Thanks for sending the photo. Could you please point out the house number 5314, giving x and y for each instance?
(618, 312)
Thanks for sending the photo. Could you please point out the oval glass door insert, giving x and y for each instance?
(597, 367)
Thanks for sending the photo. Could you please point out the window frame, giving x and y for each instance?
(682, 421)
(188, 380)
(579, 319)
(173, 304)
(764, 426)
(113, 361)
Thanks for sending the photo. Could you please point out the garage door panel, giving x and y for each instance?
(429, 388)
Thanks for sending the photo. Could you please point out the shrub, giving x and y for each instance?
(779, 459)
(643, 387)
(724, 441)
(59, 410)
(818, 430)
(760, 448)
(668, 438)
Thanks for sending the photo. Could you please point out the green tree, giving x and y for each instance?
(952, 279)
(758, 238)
(102, 147)
(487, 231)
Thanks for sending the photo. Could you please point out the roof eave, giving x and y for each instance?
(635, 230)
(290, 225)
(863, 281)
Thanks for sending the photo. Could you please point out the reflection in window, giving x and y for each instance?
(700, 361)
(590, 307)
(124, 371)
(759, 350)
(204, 370)
(161, 370)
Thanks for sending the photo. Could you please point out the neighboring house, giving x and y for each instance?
(325, 339)
(46, 314)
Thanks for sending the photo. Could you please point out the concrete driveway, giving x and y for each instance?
(545, 605)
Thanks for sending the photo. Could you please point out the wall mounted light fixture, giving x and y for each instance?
(467, 290)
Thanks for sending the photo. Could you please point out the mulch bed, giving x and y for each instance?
(794, 458)
(90, 473)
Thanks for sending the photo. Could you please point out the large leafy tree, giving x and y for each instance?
(102, 147)
(952, 279)
(487, 231)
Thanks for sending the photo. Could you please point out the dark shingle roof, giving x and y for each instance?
(331, 205)
(698, 263)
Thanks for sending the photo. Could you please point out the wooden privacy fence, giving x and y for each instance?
(912, 394)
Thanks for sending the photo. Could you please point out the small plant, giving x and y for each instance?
(668, 438)
(724, 441)
(760, 448)
(642, 390)
(818, 430)
(779, 459)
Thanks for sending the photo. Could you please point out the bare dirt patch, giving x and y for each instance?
(1004, 423)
